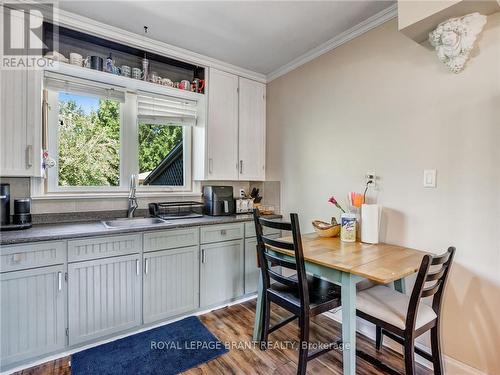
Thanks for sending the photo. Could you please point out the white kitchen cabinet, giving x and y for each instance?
(104, 297)
(171, 283)
(20, 123)
(252, 130)
(221, 272)
(235, 134)
(33, 313)
(222, 126)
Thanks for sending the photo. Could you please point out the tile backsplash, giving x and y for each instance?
(270, 192)
(20, 188)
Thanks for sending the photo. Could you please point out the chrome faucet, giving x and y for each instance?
(132, 199)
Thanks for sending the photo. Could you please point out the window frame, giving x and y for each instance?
(129, 153)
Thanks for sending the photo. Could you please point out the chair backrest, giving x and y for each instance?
(431, 281)
(268, 249)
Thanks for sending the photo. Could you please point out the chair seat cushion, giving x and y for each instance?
(390, 306)
(323, 295)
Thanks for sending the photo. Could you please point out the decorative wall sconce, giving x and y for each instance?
(454, 39)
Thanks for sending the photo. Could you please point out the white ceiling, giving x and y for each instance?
(260, 36)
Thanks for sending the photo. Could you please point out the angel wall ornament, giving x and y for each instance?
(454, 39)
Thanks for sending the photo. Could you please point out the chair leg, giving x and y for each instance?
(378, 338)
(304, 344)
(437, 359)
(265, 321)
(409, 345)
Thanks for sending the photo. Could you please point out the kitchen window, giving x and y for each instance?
(99, 135)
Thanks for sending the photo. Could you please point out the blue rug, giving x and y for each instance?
(170, 349)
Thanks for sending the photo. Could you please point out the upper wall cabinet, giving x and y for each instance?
(20, 123)
(252, 130)
(222, 127)
(236, 129)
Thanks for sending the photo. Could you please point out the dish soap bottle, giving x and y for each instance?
(348, 227)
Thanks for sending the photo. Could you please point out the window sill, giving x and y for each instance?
(103, 195)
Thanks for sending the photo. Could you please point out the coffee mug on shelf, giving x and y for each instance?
(154, 77)
(75, 59)
(198, 85)
(137, 73)
(115, 70)
(185, 85)
(167, 82)
(94, 62)
(126, 71)
(56, 56)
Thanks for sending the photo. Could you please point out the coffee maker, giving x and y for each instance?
(5, 204)
(218, 200)
(22, 211)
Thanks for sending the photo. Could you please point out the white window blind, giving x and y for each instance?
(61, 82)
(163, 110)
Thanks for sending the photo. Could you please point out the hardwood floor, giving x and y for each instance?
(234, 325)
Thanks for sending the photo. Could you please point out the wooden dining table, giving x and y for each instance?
(346, 264)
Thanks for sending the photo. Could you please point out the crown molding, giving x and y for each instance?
(87, 25)
(376, 20)
(106, 31)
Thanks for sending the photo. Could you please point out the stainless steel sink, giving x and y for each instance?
(133, 222)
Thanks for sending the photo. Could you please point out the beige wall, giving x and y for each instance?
(384, 104)
(410, 11)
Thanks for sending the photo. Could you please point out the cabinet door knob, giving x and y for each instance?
(223, 232)
(146, 266)
(203, 256)
(241, 166)
(137, 267)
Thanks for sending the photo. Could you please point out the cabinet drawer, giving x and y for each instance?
(250, 230)
(225, 232)
(31, 255)
(103, 247)
(171, 239)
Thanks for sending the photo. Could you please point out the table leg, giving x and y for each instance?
(349, 323)
(400, 285)
(259, 310)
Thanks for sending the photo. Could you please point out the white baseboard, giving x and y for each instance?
(451, 365)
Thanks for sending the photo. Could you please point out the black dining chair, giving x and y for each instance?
(403, 318)
(301, 294)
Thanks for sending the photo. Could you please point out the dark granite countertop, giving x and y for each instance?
(64, 231)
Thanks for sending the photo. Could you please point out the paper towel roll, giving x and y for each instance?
(370, 222)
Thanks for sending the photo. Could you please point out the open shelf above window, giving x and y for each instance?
(71, 41)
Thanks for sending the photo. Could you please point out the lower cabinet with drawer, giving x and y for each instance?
(32, 313)
(104, 297)
(221, 272)
(59, 293)
(171, 283)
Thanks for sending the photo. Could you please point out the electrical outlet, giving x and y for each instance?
(371, 180)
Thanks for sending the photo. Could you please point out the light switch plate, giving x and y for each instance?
(430, 178)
